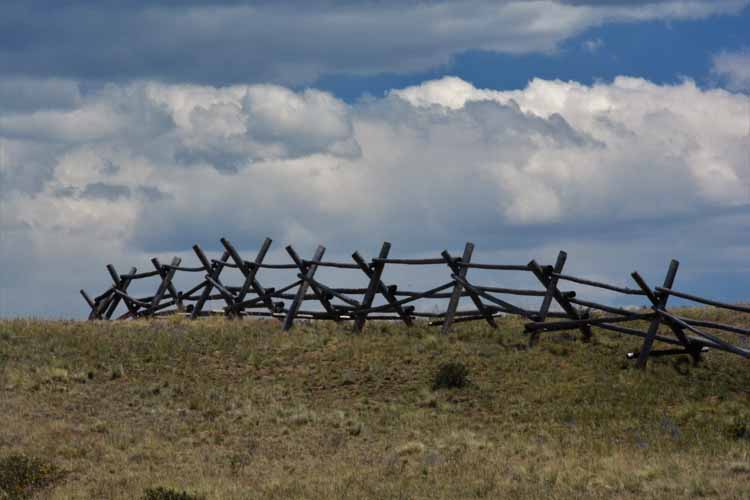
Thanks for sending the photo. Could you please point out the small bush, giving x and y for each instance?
(161, 493)
(21, 476)
(451, 375)
(739, 428)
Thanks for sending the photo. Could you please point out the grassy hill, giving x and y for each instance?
(237, 409)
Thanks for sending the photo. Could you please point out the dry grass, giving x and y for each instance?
(239, 410)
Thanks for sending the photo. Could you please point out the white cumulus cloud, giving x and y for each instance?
(148, 167)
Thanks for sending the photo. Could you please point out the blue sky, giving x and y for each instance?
(616, 130)
(660, 51)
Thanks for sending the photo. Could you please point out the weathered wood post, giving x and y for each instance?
(249, 272)
(658, 302)
(461, 271)
(309, 273)
(212, 271)
(166, 281)
(372, 288)
(549, 281)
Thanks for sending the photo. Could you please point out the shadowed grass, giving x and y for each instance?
(233, 409)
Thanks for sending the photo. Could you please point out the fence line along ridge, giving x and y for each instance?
(686, 336)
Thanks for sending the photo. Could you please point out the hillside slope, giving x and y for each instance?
(239, 410)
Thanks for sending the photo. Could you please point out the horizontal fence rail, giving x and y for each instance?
(559, 310)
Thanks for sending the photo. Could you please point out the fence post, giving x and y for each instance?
(309, 273)
(376, 272)
(550, 283)
(303, 268)
(461, 271)
(385, 291)
(249, 275)
(166, 281)
(170, 287)
(94, 314)
(658, 302)
(121, 284)
(212, 270)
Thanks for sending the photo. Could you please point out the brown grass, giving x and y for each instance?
(239, 410)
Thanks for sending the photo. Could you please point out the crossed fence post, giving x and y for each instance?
(308, 272)
(164, 286)
(97, 304)
(376, 285)
(549, 279)
(694, 346)
(121, 283)
(658, 302)
(249, 272)
(460, 269)
(374, 273)
(213, 270)
(167, 280)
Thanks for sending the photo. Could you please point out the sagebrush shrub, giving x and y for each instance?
(21, 477)
(739, 428)
(451, 375)
(161, 493)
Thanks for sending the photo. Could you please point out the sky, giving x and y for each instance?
(618, 131)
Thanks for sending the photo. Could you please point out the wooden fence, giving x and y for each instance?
(685, 335)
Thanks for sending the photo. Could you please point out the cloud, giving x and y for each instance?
(25, 94)
(593, 45)
(286, 42)
(231, 127)
(104, 191)
(734, 68)
(626, 167)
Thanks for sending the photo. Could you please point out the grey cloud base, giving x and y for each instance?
(620, 174)
(226, 42)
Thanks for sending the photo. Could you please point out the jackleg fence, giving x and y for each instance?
(559, 309)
